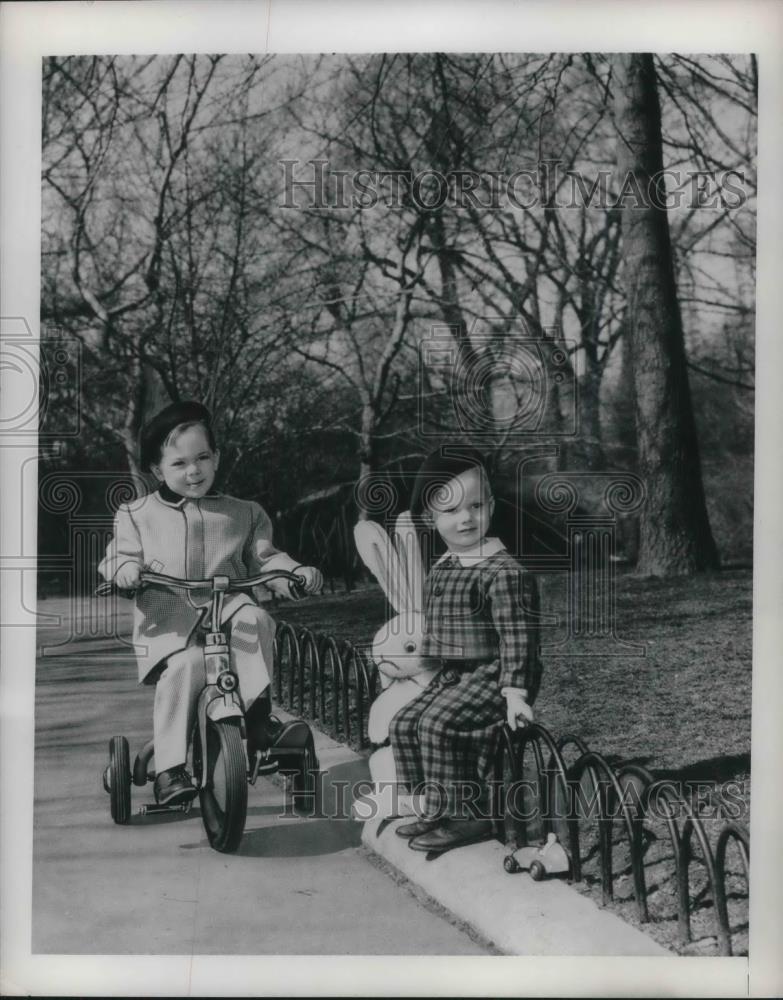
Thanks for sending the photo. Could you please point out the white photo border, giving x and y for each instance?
(28, 32)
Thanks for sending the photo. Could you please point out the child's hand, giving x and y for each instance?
(312, 579)
(128, 576)
(517, 708)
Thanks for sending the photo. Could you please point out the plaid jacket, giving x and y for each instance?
(485, 612)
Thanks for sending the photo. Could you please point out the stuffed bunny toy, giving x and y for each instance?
(396, 649)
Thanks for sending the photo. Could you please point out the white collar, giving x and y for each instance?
(472, 557)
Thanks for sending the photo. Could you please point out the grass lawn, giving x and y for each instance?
(680, 706)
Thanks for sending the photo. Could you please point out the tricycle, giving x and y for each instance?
(218, 743)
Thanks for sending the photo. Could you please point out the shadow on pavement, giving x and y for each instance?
(308, 838)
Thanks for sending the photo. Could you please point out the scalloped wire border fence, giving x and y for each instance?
(327, 680)
(558, 800)
(333, 682)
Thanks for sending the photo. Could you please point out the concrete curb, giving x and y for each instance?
(519, 916)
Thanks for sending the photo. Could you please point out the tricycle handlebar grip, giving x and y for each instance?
(109, 587)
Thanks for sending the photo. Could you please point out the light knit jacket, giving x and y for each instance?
(195, 539)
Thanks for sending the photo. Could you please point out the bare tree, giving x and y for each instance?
(172, 251)
(152, 256)
(675, 532)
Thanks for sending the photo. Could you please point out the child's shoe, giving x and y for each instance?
(174, 786)
(416, 828)
(452, 833)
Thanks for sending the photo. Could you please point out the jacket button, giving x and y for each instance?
(438, 591)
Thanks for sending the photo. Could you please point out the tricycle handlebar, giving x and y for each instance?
(239, 583)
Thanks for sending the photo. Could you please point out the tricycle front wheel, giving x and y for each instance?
(223, 798)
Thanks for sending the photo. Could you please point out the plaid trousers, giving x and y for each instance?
(443, 741)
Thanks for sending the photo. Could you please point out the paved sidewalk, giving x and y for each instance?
(99, 888)
(296, 886)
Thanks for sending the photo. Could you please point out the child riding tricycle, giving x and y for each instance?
(213, 548)
(223, 759)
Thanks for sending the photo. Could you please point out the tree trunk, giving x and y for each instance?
(367, 460)
(675, 535)
(587, 449)
(625, 409)
(628, 453)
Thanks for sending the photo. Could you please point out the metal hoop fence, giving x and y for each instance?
(626, 803)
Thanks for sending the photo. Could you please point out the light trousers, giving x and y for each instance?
(251, 642)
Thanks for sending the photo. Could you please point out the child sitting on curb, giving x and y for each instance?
(479, 608)
(190, 530)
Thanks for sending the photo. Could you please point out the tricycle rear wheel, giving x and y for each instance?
(304, 779)
(223, 798)
(119, 779)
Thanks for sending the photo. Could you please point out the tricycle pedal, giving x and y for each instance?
(262, 764)
(154, 808)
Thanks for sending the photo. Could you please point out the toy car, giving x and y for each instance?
(550, 858)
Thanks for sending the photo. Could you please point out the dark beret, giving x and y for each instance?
(438, 468)
(155, 431)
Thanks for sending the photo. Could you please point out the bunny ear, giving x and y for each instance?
(379, 556)
(406, 541)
